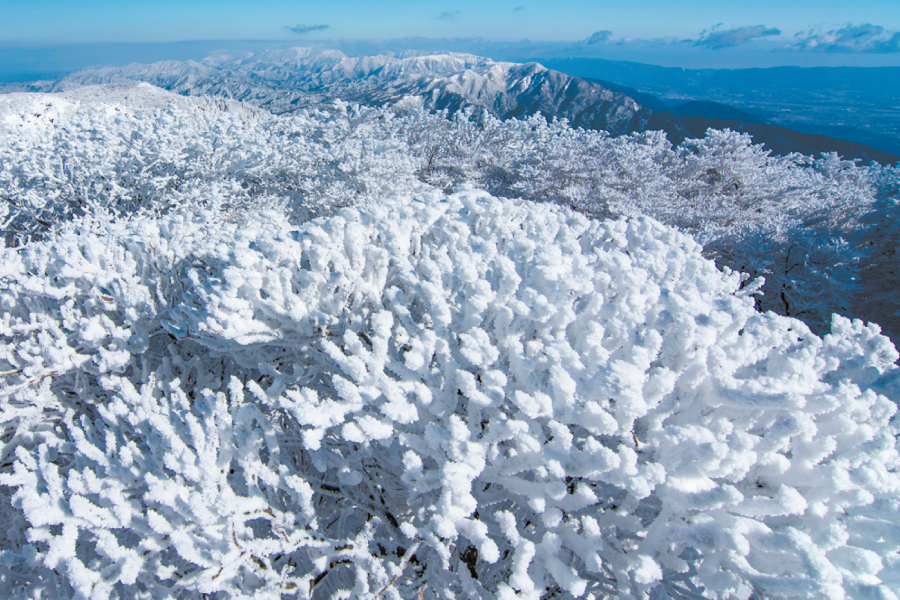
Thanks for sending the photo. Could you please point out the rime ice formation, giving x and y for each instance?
(792, 220)
(455, 396)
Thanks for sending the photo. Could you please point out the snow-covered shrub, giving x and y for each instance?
(441, 397)
(793, 221)
(123, 148)
(120, 148)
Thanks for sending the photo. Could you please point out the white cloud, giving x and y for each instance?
(850, 38)
(598, 37)
(301, 29)
(448, 15)
(715, 39)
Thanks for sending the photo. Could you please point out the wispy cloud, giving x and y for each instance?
(716, 39)
(653, 42)
(448, 15)
(301, 29)
(859, 38)
(598, 37)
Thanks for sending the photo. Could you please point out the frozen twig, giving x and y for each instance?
(410, 553)
(12, 390)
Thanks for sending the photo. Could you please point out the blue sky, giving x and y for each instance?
(692, 33)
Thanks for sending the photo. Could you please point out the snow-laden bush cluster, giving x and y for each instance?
(438, 397)
(792, 220)
(130, 146)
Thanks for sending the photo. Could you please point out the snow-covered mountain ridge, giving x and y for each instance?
(285, 80)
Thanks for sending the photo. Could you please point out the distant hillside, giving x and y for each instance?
(651, 102)
(697, 116)
(783, 141)
(852, 103)
(714, 110)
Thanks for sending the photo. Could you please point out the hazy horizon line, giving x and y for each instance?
(18, 60)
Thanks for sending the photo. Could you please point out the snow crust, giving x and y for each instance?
(463, 396)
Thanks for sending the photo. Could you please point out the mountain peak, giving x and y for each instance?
(285, 80)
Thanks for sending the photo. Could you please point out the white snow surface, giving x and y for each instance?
(455, 396)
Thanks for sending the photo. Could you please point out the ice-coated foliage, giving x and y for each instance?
(791, 220)
(439, 397)
(128, 147)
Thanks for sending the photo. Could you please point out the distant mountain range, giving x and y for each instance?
(286, 80)
(852, 103)
(283, 81)
(696, 116)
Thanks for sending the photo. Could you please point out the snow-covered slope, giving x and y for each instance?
(285, 80)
